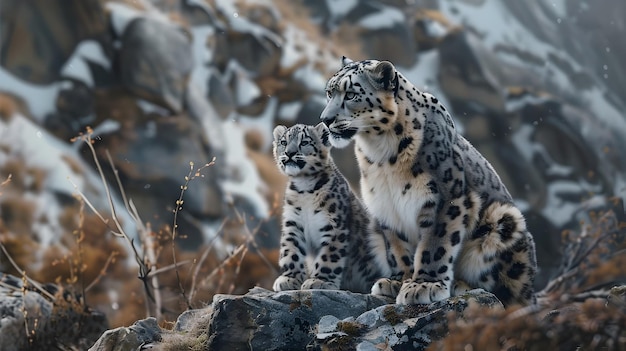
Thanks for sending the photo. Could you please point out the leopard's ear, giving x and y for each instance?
(323, 132)
(279, 131)
(384, 76)
(345, 61)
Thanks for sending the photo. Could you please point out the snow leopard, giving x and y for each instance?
(442, 221)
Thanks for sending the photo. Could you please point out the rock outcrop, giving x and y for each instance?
(299, 320)
(45, 318)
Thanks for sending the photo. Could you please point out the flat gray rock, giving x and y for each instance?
(265, 320)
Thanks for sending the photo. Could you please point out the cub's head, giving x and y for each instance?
(301, 150)
(361, 99)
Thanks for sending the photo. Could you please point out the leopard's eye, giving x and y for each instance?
(304, 143)
(283, 142)
(349, 95)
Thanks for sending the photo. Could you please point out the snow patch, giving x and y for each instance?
(387, 17)
(311, 78)
(243, 178)
(76, 66)
(243, 25)
(340, 8)
(202, 71)
(40, 99)
(264, 123)
(121, 15)
(288, 111)
(516, 103)
(246, 91)
(560, 211)
(293, 48)
(148, 107)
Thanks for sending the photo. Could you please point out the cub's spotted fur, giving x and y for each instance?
(442, 221)
(323, 243)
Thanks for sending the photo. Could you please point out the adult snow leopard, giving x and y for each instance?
(323, 244)
(442, 220)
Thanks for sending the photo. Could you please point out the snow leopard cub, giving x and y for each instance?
(323, 243)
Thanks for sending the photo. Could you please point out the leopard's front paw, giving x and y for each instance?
(413, 292)
(283, 283)
(386, 287)
(314, 283)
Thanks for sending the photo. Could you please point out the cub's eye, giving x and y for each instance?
(304, 143)
(283, 142)
(349, 95)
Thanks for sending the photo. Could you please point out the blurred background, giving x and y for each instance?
(539, 87)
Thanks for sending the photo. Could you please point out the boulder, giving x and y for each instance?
(45, 318)
(250, 37)
(155, 62)
(263, 320)
(136, 337)
(39, 36)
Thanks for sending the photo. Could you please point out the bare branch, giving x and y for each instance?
(103, 271)
(23, 274)
(193, 173)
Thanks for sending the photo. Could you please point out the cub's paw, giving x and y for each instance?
(386, 287)
(283, 283)
(422, 293)
(313, 283)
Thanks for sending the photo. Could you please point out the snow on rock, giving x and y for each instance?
(76, 66)
(243, 25)
(243, 178)
(40, 99)
(340, 8)
(121, 15)
(386, 17)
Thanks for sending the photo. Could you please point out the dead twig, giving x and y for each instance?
(193, 173)
(151, 290)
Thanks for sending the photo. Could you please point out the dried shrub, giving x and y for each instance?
(589, 325)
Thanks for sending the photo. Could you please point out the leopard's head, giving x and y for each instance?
(301, 150)
(361, 100)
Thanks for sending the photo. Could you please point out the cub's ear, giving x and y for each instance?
(323, 132)
(384, 76)
(279, 131)
(345, 61)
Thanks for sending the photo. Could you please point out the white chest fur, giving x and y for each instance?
(395, 196)
(305, 210)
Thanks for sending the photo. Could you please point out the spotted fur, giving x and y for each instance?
(443, 221)
(323, 244)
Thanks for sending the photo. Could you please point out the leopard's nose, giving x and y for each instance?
(290, 154)
(328, 120)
